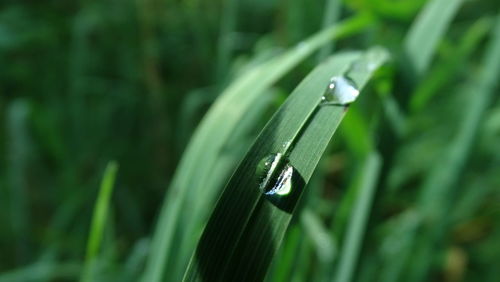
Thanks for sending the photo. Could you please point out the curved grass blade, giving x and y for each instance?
(211, 135)
(427, 31)
(236, 146)
(99, 219)
(246, 228)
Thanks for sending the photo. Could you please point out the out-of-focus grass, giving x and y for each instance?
(84, 82)
(99, 222)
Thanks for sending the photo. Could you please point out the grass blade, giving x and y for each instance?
(331, 16)
(99, 219)
(359, 218)
(245, 230)
(454, 62)
(319, 236)
(427, 31)
(280, 272)
(206, 144)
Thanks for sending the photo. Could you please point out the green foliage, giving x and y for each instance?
(99, 218)
(245, 230)
(212, 135)
(177, 93)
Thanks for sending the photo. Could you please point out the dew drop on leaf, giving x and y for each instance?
(283, 184)
(279, 181)
(266, 169)
(341, 91)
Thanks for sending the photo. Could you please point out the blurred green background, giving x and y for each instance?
(86, 82)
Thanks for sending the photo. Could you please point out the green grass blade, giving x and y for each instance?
(427, 31)
(454, 62)
(331, 16)
(347, 203)
(245, 230)
(280, 269)
(236, 146)
(354, 237)
(99, 219)
(207, 142)
(320, 237)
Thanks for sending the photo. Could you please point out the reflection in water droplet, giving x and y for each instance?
(283, 185)
(266, 168)
(279, 181)
(341, 91)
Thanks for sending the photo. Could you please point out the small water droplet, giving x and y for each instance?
(279, 181)
(341, 91)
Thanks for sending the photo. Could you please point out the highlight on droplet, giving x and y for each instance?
(279, 181)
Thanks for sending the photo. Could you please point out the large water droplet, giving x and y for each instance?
(279, 181)
(283, 184)
(341, 91)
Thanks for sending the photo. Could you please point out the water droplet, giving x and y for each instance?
(279, 181)
(283, 184)
(266, 168)
(341, 91)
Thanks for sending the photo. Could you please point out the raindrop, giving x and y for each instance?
(266, 169)
(283, 184)
(279, 181)
(341, 91)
